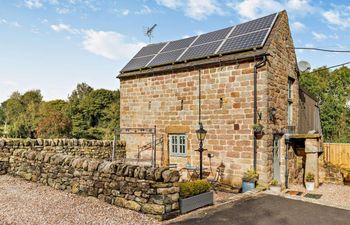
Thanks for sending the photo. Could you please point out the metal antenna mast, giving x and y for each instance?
(149, 32)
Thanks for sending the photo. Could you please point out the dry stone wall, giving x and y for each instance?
(95, 149)
(144, 189)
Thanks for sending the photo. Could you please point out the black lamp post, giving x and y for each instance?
(201, 133)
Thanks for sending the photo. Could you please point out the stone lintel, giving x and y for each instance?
(304, 136)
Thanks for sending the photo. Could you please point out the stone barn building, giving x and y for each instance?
(247, 77)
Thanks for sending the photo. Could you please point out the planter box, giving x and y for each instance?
(197, 201)
(248, 185)
(310, 186)
(275, 189)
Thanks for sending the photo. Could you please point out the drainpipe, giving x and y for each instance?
(256, 66)
(286, 163)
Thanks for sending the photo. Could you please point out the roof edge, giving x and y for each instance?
(232, 58)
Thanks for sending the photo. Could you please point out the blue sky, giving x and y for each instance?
(54, 44)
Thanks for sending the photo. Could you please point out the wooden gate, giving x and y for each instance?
(337, 154)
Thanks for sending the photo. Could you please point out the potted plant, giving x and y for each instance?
(194, 195)
(275, 186)
(258, 128)
(310, 182)
(249, 180)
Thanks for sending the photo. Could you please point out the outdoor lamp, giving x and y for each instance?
(201, 133)
(273, 112)
(201, 136)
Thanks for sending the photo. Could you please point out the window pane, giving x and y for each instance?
(177, 144)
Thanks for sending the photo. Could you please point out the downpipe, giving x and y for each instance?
(256, 66)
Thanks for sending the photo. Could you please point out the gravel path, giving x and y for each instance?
(23, 202)
(332, 195)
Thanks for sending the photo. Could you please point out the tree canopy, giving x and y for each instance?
(332, 88)
(87, 113)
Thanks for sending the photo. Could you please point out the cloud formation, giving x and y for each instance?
(251, 9)
(194, 9)
(338, 17)
(109, 44)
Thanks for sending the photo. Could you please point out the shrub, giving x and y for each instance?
(192, 188)
(251, 176)
(310, 177)
(274, 182)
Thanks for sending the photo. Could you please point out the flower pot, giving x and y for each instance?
(197, 201)
(276, 189)
(247, 185)
(310, 186)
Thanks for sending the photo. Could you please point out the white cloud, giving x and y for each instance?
(10, 23)
(62, 11)
(337, 17)
(144, 11)
(172, 4)
(15, 24)
(299, 5)
(111, 45)
(318, 36)
(252, 9)
(298, 26)
(32, 4)
(199, 10)
(125, 12)
(64, 27)
(195, 9)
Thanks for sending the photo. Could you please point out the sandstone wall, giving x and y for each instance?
(281, 65)
(170, 101)
(151, 191)
(95, 149)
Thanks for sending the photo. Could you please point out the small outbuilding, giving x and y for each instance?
(241, 83)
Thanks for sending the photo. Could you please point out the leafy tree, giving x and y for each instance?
(80, 92)
(2, 115)
(49, 107)
(55, 125)
(332, 88)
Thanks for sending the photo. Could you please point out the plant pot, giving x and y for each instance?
(197, 201)
(310, 186)
(276, 189)
(248, 185)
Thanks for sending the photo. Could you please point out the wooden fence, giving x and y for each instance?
(337, 154)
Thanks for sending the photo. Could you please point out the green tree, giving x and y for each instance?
(55, 125)
(332, 88)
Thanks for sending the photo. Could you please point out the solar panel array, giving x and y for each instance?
(249, 35)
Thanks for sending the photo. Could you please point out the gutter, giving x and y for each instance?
(256, 66)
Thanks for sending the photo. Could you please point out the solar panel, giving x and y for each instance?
(254, 25)
(243, 42)
(166, 57)
(137, 63)
(179, 44)
(200, 51)
(212, 36)
(242, 37)
(150, 50)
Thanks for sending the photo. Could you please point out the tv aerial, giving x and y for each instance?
(149, 32)
(304, 66)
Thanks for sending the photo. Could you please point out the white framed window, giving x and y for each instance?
(178, 144)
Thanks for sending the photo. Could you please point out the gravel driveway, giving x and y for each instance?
(22, 202)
